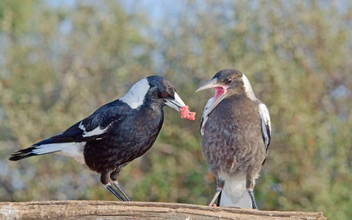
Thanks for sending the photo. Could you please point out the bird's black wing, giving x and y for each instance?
(94, 127)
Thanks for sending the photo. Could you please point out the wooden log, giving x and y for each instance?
(104, 210)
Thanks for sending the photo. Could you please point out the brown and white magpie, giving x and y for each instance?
(236, 131)
(116, 133)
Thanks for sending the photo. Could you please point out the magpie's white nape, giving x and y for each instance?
(116, 133)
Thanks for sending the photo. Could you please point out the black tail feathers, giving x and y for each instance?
(28, 152)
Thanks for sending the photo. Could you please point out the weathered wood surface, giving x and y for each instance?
(104, 210)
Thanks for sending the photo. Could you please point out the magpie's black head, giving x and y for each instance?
(153, 90)
(163, 92)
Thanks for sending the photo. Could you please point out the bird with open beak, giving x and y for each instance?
(235, 129)
(116, 133)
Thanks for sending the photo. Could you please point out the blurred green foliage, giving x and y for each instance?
(59, 63)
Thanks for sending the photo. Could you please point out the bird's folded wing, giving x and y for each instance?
(91, 128)
(265, 124)
(205, 116)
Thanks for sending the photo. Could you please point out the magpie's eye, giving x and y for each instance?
(164, 94)
(227, 81)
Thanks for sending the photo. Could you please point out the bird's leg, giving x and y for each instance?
(218, 192)
(122, 191)
(109, 187)
(251, 194)
(114, 176)
(105, 180)
(250, 186)
(219, 186)
(219, 199)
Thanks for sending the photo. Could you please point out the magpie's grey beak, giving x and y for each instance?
(220, 94)
(176, 103)
(211, 84)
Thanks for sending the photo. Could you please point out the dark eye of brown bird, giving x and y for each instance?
(227, 81)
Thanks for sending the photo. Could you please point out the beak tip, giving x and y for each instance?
(210, 84)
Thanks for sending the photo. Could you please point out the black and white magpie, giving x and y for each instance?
(236, 132)
(116, 133)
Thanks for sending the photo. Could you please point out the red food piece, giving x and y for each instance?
(185, 113)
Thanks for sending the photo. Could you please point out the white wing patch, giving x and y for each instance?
(266, 124)
(205, 115)
(96, 131)
(135, 96)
